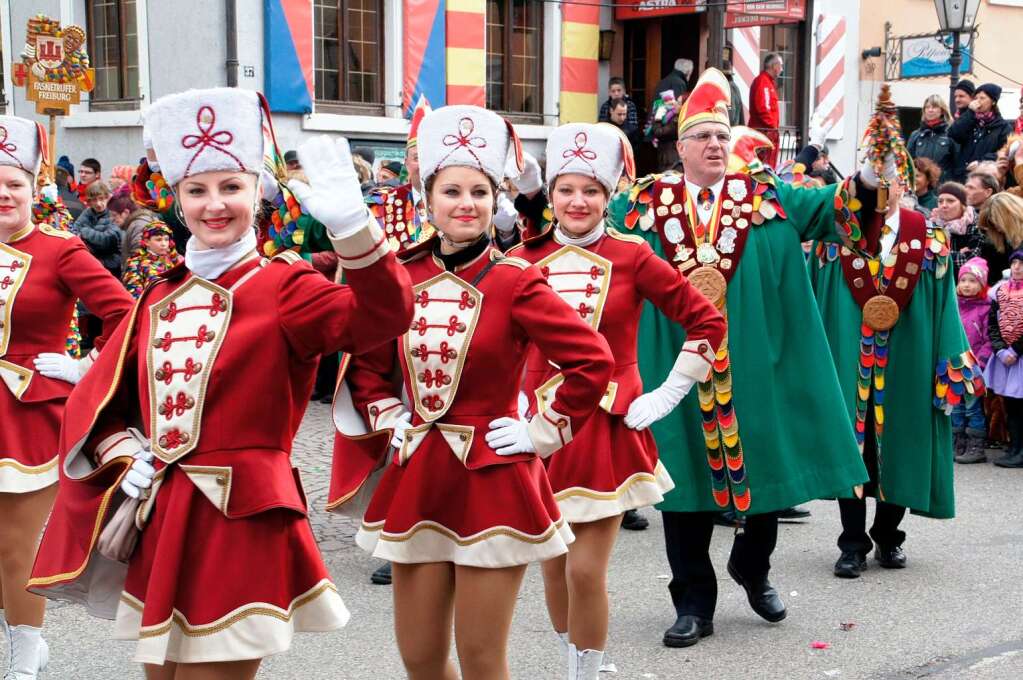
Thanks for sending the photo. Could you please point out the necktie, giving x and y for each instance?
(705, 198)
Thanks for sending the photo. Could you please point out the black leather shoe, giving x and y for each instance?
(382, 576)
(890, 558)
(1011, 460)
(794, 513)
(688, 630)
(762, 596)
(850, 565)
(633, 521)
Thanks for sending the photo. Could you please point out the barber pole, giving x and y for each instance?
(829, 93)
(745, 60)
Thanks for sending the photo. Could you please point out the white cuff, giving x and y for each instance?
(119, 444)
(549, 431)
(384, 412)
(695, 360)
(362, 247)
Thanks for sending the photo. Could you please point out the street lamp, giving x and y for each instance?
(956, 17)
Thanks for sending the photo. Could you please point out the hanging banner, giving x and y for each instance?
(54, 68)
(647, 9)
(764, 13)
(288, 55)
(425, 66)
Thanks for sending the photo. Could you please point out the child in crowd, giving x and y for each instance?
(97, 229)
(1004, 372)
(155, 256)
(968, 424)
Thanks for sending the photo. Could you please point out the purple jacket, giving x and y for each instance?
(974, 313)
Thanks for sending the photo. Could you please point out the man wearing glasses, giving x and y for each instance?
(769, 430)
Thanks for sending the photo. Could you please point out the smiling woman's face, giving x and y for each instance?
(462, 203)
(15, 199)
(218, 206)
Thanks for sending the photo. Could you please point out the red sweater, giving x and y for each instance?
(763, 103)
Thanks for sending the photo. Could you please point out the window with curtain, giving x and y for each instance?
(784, 39)
(114, 53)
(348, 58)
(514, 43)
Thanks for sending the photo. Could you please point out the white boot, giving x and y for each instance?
(588, 664)
(29, 653)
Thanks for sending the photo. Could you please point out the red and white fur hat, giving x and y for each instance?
(598, 151)
(22, 144)
(467, 136)
(218, 129)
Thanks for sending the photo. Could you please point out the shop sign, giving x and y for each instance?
(647, 9)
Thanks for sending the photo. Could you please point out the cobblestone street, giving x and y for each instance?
(951, 615)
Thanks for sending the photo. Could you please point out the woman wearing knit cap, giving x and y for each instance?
(612, 465)
(42, 272)
(980, 130)
(214, 368)
(464, 504)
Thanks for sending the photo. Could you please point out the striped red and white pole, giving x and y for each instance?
(829, 91)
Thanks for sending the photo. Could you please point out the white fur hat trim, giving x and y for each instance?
(467, 136)
(22, 143)
(595, 151)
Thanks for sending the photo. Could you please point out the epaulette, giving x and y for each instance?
(287, 257)
(416, 251)
(498, 257)
(50, 231)
(534, 241)
(628, 238)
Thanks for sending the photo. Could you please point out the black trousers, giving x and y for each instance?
(887, 516)
(694, 585)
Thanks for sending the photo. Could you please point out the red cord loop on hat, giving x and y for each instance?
(464, 140)
(209, 139)
(581, 152)
(9, 148)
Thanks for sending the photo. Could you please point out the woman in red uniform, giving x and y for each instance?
(611, 466)
(465, 504)
(214, 368)
(42, 272)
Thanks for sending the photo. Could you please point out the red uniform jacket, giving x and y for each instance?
(764, 113)
(43, 272)
(462, 362)
(217, 375)
(606, 284)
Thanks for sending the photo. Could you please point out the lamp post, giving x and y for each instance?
(956, 17)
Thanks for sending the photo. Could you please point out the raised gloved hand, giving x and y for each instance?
(60, 367)
(506, 218)
(140, 476)
(333, 195)
(508, 436)
(869, 176)
(530, 180)
(401, 423)
(648, 408)
(819, 129)
(49, 191)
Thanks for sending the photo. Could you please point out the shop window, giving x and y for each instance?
(635, 65)
(515, 57)
(348, 58)
(114, 54)
(784, 39)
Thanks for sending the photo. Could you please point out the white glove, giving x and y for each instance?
(49, 191)
(402, 423)
(523, 406)
(948, 408)
(140, 475)
(530, 180)
(819, 129)
(506, 218)
(870, 178)
(648, 408)
(508, 436)
(332, 195)
(60, 367)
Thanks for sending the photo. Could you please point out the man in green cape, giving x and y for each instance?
(768, 430)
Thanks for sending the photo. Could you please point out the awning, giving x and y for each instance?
(765, 12)
(739, 13)
(647, 9)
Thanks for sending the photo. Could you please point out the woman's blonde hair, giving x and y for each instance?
(362, 169)
(1001, 219)
(939, 101)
